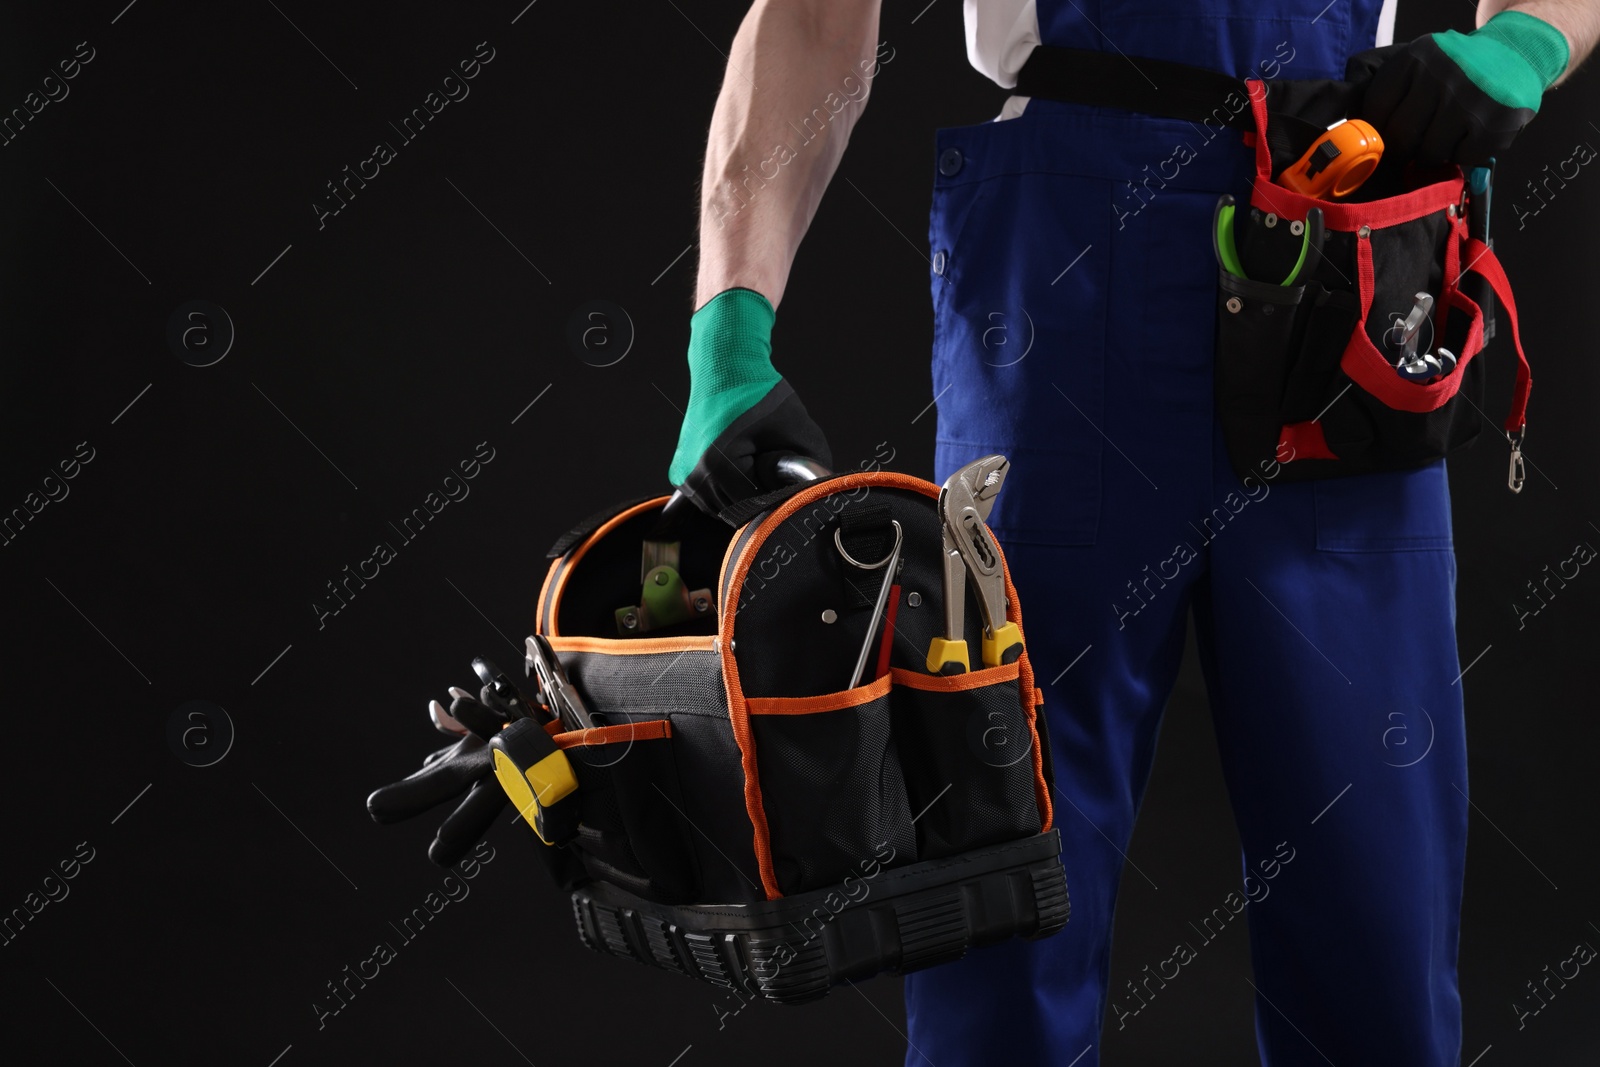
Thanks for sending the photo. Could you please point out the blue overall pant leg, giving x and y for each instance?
(1074, 333)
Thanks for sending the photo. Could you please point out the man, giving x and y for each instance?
(1323, 609)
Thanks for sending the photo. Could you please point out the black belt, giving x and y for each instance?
(1153, 87)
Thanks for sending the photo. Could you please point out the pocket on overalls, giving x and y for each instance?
(1020, 317)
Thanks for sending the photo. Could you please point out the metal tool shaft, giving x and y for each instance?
(955, 590)
(889, 573)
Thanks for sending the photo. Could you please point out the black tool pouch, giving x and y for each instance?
(749, 817)
(1307, 382)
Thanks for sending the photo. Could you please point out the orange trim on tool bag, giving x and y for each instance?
(649, 730)
(849, 698)
(544, 589)
(553, 727)
(738, 709)
(727, 554)
(633, 646)
(576, 554)
(1041, 788)
(955, 683)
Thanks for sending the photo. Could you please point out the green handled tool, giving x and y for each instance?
(1224, 242)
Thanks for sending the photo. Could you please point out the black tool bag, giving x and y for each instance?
(746, 817)
(1306, 379)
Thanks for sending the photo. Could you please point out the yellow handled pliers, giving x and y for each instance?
(965, 501)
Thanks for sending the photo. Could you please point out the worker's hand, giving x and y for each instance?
(740, 407)
(1462, 97)
(449, 772)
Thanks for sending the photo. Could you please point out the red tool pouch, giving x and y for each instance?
(1306, 375)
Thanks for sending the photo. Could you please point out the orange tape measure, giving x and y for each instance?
(1337, 162)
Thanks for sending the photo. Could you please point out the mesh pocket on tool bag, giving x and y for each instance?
(831, 783)
(682, 683)
(968, 751)
(630, 830)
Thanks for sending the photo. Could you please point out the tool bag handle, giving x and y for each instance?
(797, 471)
(788, 470)
(573, 537)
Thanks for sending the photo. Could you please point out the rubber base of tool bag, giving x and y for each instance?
(795, 949)
(1306, 382)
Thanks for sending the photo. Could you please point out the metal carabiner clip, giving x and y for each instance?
(1517, 473)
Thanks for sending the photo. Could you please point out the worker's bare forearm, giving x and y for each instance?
(1578, 21)
(797, 80)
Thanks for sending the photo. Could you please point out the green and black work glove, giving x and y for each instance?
(1462, 97)
(740, 408)
(467, 766)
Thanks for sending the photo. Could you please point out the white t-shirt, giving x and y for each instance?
(1001, 33)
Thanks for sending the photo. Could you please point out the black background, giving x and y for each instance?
(423, 319)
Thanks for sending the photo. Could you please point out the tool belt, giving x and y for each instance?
(1309, 362)
(741, 813)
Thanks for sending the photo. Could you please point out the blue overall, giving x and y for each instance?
(1074, 291)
